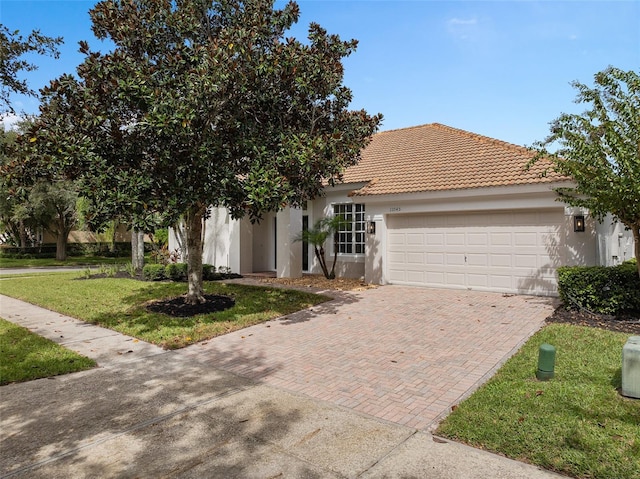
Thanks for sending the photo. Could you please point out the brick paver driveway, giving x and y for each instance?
(398, 353)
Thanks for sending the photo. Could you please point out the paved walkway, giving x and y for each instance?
(401, 354)
(348, 389)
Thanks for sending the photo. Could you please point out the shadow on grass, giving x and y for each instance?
(253, 305)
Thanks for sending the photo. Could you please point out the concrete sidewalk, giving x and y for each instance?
(147, 412)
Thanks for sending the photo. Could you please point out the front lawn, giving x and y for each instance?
(576, 424)
(25, 356)
(119, 304)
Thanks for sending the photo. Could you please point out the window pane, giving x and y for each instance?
(351, 238)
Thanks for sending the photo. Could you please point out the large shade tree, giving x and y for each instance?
(202, 103)
(600, 149)
(13, 48)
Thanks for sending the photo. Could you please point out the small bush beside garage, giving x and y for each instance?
(611, 290)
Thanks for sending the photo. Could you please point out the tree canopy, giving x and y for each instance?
(12, 47)
(201, 103)
(600, 149)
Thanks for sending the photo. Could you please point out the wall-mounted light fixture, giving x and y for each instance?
(371, 227)
(578, 223)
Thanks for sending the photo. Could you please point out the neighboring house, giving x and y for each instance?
(432, 206)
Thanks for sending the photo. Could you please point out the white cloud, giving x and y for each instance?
(8, 121)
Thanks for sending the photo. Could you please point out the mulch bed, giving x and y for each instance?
(178, 308)
(628, 323)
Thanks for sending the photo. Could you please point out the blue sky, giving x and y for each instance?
(501, 68)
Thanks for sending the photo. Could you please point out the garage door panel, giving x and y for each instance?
(415, 276)
(396, 239)
(477, 239)
(525, 261)
(435, 259)
(397, 275)
(477, 259)
(455, 239)
(501, 251)
(477, 279)
(500, 260)
(455, 278)
(415, 258)
(434, 239)
(455, 259)
(415, 239)
(501, 282)
(525, 239)
(501, 239)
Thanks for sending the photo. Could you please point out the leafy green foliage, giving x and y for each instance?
(599, 149)
(200, 103)
(599, 289)
(318, 235)
(12, 47)
(177, 271)
(153, 272)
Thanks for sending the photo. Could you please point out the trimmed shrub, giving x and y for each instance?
(153, 272)
(600, 289)
(209, 272)
(176, 271)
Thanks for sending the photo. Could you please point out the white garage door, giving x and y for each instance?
(512, 252)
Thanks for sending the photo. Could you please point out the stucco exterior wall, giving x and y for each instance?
(614, 242)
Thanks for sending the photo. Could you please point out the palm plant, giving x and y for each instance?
(317, 236)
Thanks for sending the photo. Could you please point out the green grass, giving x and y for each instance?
(576, 424)
(25, 356)
(119, 304)
(70, 261)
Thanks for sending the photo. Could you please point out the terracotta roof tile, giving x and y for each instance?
(436, 157)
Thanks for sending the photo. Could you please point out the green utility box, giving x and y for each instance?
(546, 362)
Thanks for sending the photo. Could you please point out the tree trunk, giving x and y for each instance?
(23, 235)
(636, 245)
(61, 245)
(193, 229)
(112, 246)
(137, 249)
(332, 275)
(323, 264)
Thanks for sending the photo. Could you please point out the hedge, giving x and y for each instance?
(153, 272)
(48, 250)
(178, 272)
(610, 290)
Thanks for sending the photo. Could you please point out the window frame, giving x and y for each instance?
(350, 239)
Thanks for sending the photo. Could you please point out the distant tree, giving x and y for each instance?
(12, 47)
(31, 202)
(52, 205)
(16, 227)
(202, 103)
(317, 236)
(600, 149)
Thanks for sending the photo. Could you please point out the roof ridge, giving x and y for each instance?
(406, 128)
(481, 138)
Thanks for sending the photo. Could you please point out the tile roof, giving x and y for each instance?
(436, 157)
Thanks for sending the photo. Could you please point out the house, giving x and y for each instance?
(432, 206)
